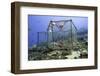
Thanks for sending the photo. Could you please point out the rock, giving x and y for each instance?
(74, 55)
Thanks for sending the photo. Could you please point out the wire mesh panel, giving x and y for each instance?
(42, 38)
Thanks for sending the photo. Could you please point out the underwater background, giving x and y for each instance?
(39, 23)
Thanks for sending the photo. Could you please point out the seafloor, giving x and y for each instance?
(74, 50)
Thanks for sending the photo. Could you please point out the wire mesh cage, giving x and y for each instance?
(59, 35)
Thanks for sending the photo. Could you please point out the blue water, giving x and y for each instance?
(39, 23)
